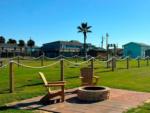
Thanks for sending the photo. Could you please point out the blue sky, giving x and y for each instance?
(49, 20)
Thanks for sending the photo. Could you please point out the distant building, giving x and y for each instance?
(66, 48)
(10, 50)
(134, 49)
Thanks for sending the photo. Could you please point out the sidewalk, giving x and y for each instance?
(119, 101)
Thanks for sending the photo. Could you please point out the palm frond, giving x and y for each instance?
(80, 28)
(80, 31)
(84, 25)
(88, 27)
(89, 31)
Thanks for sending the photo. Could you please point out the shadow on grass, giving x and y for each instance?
(22, 105)
(4, 91)
(120, 68)
(19, 87)
(34, 105)
(72, 77)
(4, 108)
(104, 71)
(28, 85)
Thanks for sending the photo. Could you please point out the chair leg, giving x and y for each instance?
(45, 99)
(62, 94)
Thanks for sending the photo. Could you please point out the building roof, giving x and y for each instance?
(72, 42)
(140, 44)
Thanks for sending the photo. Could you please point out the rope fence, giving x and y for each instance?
(111, 63)
(42, 58)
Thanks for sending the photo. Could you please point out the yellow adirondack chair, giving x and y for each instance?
(87, 77)
(51, 93)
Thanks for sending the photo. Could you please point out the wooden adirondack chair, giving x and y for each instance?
(50, 93)
(87, 77)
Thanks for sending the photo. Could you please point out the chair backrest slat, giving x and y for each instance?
(43, 78)
(87, 75)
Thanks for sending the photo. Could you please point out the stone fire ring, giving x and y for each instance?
(93, 93)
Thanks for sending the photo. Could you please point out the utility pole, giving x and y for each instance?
(102, 41)
(107, 35)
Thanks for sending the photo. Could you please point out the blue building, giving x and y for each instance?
(134, 49)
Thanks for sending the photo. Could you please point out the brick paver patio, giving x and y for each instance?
(119, 101)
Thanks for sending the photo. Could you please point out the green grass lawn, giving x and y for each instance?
(28, 83)
(141, 109)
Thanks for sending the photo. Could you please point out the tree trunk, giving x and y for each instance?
(31, 52)
(85, 49)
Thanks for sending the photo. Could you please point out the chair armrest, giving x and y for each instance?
(54, 85)
(96, 77)
(81, 77)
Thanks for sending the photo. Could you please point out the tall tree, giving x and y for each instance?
(2, 40)
(84, 28)
(11, 41)
(30, 43)
(21, 44)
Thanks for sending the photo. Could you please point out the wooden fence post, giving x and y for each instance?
(1, 63)
(127, 62)
(62, 76)
(11, 77)
(42, 60)
(113, 63)
(18, 60)
(92, 65)
(76, 57)
(147, 59)
(62, 69)
(138, 62)
(107, 64)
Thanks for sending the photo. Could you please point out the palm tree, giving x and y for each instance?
(12, 42)
(30, 43)
(2, 40)
(21, 44)
(84, 28)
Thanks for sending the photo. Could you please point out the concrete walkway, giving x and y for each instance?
(120, 100)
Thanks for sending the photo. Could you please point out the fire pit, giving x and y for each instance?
(93, 93)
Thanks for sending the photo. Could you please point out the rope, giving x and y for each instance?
(32, 58)
(137, 58)
(78, 63)
(13, 58)
(4, 65)
(123, 58)
(68, 57)
(76, 56)
(101, 57)
(35, 67)
(52, 58)
(62, 56)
